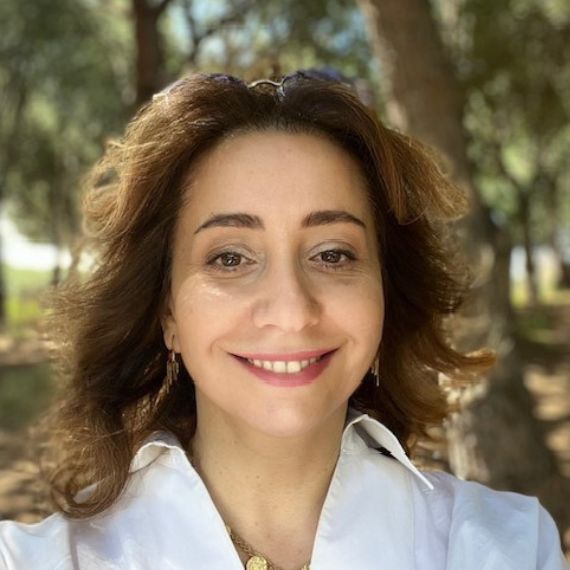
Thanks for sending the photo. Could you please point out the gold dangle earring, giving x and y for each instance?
(172, 367)
(375, 371)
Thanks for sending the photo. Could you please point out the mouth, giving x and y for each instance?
(284, 366)
(287, 373)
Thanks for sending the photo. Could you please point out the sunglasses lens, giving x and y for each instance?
(225, 78)
(313, 75)
(326, 74)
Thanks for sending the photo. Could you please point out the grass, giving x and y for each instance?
(25, 288)
(549, 293)
(21, 280)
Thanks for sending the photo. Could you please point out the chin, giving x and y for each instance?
(283, 421)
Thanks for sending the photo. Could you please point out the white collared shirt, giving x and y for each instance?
(380, 513)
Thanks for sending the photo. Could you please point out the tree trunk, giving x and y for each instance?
(417, 101)
(56, 272)
(524, 220)
(563, 273)
(553, 208)
(496, 435)
(149, 58)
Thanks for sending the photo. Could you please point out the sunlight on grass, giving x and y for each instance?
(549, 293)
(21, 280)
(25, 288)
(22, 312)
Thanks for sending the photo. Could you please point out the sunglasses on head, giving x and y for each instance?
(281, 87)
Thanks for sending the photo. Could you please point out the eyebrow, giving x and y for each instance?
(243, 220)
(325, 217)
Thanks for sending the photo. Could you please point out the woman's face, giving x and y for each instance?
(275, 259)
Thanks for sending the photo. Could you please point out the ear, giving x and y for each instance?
(169, 328)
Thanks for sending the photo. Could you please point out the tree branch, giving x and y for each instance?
(162, 6)
(234, 16)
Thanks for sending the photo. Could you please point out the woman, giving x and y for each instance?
(255, 352)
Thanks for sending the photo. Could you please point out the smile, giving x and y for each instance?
(287, 373)
(283, 367)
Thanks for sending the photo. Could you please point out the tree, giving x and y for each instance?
(514, 69)
(149, 49)
(63, 92)
(254, 39)
(496, 433)
(14, 94)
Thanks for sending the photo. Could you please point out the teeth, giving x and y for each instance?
(282, 367)
(293, 367)
(278, 366)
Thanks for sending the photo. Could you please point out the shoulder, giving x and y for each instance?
(499, 527)
(59, 542)
(131, 533)
(41, 545)
(457, 493)
(456, 524)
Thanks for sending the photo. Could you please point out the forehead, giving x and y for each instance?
(275, 173)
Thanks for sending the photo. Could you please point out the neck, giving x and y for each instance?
(269, 490)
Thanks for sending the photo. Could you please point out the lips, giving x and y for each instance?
(289, 380)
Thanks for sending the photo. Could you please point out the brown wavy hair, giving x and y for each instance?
(107, 325)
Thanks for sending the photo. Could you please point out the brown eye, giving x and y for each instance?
(332, 256)
(230, 259)
(336, 258)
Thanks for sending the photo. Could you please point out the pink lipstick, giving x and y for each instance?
(289, 380)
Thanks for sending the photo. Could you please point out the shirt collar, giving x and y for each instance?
(362, 429)
(360, 432)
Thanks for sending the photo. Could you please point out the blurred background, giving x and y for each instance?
(487, 83)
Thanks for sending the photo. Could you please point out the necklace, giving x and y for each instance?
(255, 560)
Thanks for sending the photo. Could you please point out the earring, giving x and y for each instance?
(375, 371)
(172, 368)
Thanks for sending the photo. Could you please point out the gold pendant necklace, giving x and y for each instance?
(255, 560)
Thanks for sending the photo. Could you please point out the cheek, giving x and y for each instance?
(359, 306)
(204, 311)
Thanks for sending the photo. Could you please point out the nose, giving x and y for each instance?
(286, 300)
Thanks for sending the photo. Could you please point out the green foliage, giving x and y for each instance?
(259, 36)
(513, 58)
(62, 74)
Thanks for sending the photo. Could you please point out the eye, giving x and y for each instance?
(331, 256)
(228, 261)
(336, 258)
